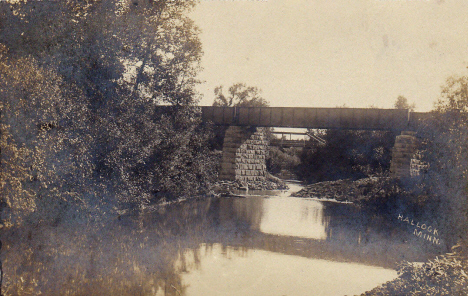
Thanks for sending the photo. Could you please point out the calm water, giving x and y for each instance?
(265, 244)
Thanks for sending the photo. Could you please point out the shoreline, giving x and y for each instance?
(227, 187)
(346, 190)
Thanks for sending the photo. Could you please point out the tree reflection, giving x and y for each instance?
(132, 255)
(147, 252)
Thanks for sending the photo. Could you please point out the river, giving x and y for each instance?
(265, 244)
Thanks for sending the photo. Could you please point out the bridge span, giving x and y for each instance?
(317, 118)
(245, 143)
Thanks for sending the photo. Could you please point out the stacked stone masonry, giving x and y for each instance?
(244, 154)
(416, 167)
(403, 163)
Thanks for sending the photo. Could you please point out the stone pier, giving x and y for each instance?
(402, 165)
(244, 154)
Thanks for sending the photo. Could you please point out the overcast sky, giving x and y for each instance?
(324, 53)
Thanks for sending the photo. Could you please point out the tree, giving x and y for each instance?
(402, 103)
(109, 47)
(239, 95)
(283, 160)
(445, 150)
(454, 96)
(347, 154)
(98, 70)
(41, 155)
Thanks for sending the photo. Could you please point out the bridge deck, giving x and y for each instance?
(318, 118)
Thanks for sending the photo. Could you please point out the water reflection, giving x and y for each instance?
(133, 255)
(253, 243)
(329, 230)
(283, 216)
(237, 271)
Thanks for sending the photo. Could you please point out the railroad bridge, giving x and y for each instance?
(245, 143)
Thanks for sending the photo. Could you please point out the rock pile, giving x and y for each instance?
(270, 183)
(342, 190)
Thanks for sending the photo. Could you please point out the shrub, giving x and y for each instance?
(441, 276)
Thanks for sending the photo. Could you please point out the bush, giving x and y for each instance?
(347, 154)
(283, 160)
(445, 149)
(441, 276)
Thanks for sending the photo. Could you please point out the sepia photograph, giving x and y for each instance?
(233, 147)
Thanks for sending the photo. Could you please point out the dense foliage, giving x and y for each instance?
(346, 154)
(81, 129)
(445, 149)
(283, 160)
(349, 153)
(239, 95)
(441, 276)
(442, 194)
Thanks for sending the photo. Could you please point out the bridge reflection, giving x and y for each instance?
(321, 230)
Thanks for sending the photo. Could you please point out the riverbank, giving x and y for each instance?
(226, 187)
(355, 191)
(444, 275)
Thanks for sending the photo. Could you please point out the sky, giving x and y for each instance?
(323, 53)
